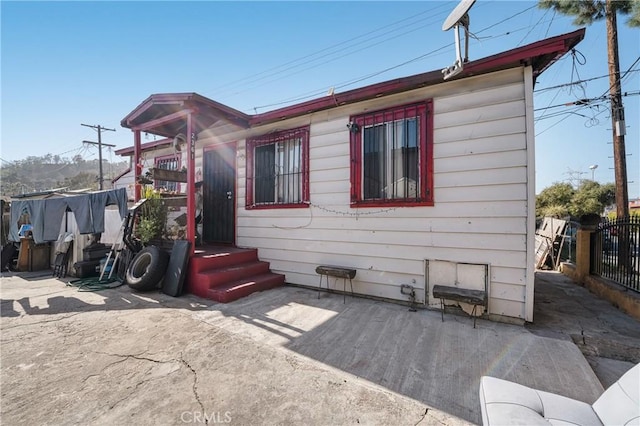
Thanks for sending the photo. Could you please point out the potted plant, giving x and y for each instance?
(153, 217)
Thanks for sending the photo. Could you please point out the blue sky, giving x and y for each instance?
(66, 63)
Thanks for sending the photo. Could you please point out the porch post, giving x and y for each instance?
(191, 184)
(588, 224)
(137, 153)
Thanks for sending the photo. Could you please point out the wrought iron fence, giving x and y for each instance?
(615, 251)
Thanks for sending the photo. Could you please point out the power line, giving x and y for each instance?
(623, 75)
(366, 47)
(553, 125)
(533, 27)
(289, 65)
(559, 86)
(586, 101)
(329, 60)
(366, 77)
(357, 80)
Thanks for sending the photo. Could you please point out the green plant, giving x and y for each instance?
(153, 217)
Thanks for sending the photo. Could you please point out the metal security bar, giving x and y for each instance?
(391, 155)
(278, 169)
(167, 163)
(615, 251)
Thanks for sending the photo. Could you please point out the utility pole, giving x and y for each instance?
(100, 145)
(617, 113)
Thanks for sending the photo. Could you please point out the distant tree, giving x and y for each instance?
(32, 160)
(561, 199)
(81, 181)
(29, 174)
(554, 200)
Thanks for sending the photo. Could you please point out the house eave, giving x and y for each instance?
(162, 143)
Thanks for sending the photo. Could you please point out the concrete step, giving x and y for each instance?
(222, 276)
(201, 262)
(237, 289)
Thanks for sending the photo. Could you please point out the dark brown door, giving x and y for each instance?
(219, 194)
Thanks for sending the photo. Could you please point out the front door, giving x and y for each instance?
(219, 194)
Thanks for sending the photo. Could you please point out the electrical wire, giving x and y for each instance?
(623, 76)
(362, 78)
(288, 65)
(533, 27)
(357, 80)
(485, 29)
(546, 34)
(559, 86)
(333, 59)
(553, 125)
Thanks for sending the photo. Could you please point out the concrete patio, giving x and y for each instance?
(278, 357)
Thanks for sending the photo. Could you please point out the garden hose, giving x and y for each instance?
(95, 284)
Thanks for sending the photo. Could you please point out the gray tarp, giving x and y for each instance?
(47, 214)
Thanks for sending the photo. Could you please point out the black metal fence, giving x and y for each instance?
(615, 251)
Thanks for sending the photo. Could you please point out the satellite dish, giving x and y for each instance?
(458, 17)
(457, 14)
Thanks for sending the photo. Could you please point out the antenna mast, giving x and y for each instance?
(459, 17)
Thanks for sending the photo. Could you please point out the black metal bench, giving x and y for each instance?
(473, 297)
(338, 272)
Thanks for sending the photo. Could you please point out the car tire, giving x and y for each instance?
(147, 269)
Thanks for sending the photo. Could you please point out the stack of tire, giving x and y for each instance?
(147, 268)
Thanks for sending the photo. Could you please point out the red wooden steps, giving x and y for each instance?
(225, 274)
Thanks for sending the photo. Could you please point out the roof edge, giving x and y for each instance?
(548, 50)
(148, 145)
(239, 116)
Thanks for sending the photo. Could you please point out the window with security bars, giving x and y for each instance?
(169, 162)
(391, 156)
(278, 170)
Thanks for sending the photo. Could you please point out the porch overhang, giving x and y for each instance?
(171, 114)
(164, 114)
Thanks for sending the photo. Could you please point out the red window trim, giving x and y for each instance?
(425, 111)
(272, 138)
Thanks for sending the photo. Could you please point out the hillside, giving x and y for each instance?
(35, 174)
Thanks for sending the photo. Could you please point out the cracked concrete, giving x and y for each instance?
(608, 338)
(118, 358)
(278, 357)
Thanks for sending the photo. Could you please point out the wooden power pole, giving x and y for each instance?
(100, 145)
(617, 114)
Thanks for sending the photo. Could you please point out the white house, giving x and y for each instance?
(414, 181)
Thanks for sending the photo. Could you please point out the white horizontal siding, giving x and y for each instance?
(493, 161)
(321, 221)
(480, 99)
(501, 143)
(508, 126)
(480, 191)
